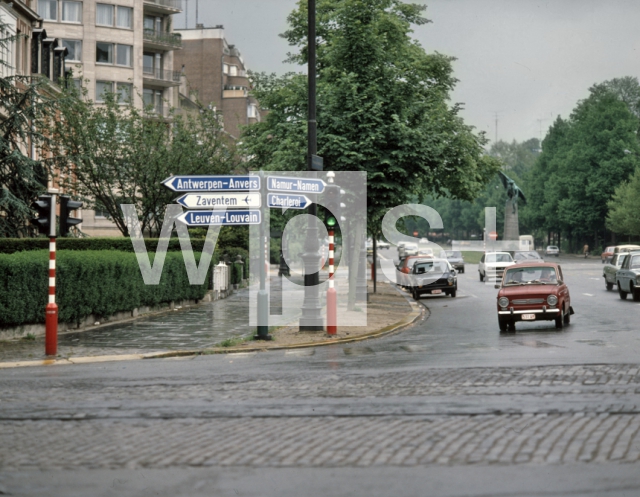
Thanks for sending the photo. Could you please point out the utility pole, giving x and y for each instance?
(186, 14)
(197, 2)
(496, 118)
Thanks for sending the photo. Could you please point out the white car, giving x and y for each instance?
(406, 248)
(552, 250)
(382, 244)
(493, 264)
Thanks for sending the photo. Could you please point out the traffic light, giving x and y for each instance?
(331, 202)
(66, 206)
(46, 207)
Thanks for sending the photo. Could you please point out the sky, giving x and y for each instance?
(521, 63)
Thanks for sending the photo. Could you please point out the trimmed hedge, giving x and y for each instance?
(88, 282)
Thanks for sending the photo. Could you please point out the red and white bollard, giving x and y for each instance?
(332, 296)
(51, 319)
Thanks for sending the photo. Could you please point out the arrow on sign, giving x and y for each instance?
(220, 218)
(212, 183)
(219, 200)
(288, 201)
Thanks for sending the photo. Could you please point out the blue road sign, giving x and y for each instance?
(212, 183)
(295, 185)
(284, 201)
(220, 218)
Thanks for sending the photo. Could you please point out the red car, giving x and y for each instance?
(607, 254)
(533, 291)
(406, 266)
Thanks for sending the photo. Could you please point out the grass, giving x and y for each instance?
(30, 336)
(232, 342)
(471, 257)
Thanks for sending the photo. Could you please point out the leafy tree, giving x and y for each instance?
(114, 154)
(623, 207)
(383, 108)
(25, 104)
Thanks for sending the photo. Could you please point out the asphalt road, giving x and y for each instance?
(447, 407)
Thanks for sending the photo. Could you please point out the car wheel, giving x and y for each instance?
(512, 326)
(621, 292)
(453, 293)
(609, 286)
(560, 320)
(481, 276)
(602, 261)
(567, 318)
(415, 295)
(503, 326)
(635, 293)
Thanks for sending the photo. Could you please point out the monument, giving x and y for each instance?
(511, 228)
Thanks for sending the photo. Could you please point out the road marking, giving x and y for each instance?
(588, 295)
(597, 279)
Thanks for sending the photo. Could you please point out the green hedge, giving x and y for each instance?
(88, 282)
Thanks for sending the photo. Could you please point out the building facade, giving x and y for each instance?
(217, 76)
(120, 46)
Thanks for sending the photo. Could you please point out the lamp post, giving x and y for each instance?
(311, 319)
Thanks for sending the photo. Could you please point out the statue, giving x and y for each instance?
(513, 192)
(511, 224)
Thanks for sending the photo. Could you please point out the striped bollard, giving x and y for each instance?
(51, 312)
(332, 297)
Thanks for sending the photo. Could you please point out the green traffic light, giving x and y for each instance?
(331, 221)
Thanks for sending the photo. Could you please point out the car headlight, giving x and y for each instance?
(503, 301)
(552, 300)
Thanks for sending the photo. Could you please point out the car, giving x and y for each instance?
(381, 244)
(426, 252)
(607, 254)
(535, 291)
(625, 248)
(433, 276)
(407, 248)
(611, 268)
(628, 276)
(527, 256)
(493, 264)
(405, 267)
(455, 259)
(552, 250)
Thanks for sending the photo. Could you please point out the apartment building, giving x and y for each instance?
(217, 76)
(120, 46)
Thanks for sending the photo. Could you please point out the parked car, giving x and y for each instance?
(607, 254)
(552, 250)
(455, 259)
(628, 276)
(382, 244)
(493, 264)
(625, 248)
(611, 268)
(407, 248)
(527, 256)
(534, 291)
(433, 276)
(405, 267)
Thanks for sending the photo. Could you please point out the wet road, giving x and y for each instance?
(448, 407)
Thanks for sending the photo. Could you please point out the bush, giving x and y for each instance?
(88, 282)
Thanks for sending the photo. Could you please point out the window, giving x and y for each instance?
(104, 15)
(77, 83)
(149, 22)
(147, 63)
(124, 92)
(233, 70)
(8, 47)
(225, 68)
(48, 9)
(71, 11)
(252, 111)
(75, 49)
(124, 55)
(102, 88)
(104, 53)
(124, 17)
(153, 98)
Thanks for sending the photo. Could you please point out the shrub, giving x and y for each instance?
(88, 282)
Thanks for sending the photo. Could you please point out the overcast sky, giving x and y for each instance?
(528, 61)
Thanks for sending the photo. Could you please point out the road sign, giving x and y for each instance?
(220, 218)
(212, 183)
(219, 200)
(305, 185)
(493, 235)
(288, 201)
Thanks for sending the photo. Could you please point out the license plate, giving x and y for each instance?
(528, 317)
(436, 291)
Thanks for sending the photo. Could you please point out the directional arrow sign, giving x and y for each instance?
(297, 185)
(219, 200)
(288, 201)
(220, 218)
(212, 183)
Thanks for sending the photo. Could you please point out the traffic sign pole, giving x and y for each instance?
(263, 295)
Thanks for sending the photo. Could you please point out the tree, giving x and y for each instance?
(25, 104)
(114, 154)
(623, 207)
(383, 108)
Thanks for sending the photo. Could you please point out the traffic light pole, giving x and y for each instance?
(51, 311)
(332, 294)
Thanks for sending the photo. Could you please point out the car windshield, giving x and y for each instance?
(411, 262)
(411, 246)
(635, 262)
(453, 254)
(530, 276)
(552, 247)
(499, 258)
(521, 256)
(430, 267)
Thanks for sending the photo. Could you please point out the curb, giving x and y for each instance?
(416, 312)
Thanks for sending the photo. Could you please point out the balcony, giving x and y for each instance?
(160, 77)
(161, 40)
(163, 6)
(230, 91)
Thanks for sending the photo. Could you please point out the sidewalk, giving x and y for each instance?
(210, 327)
